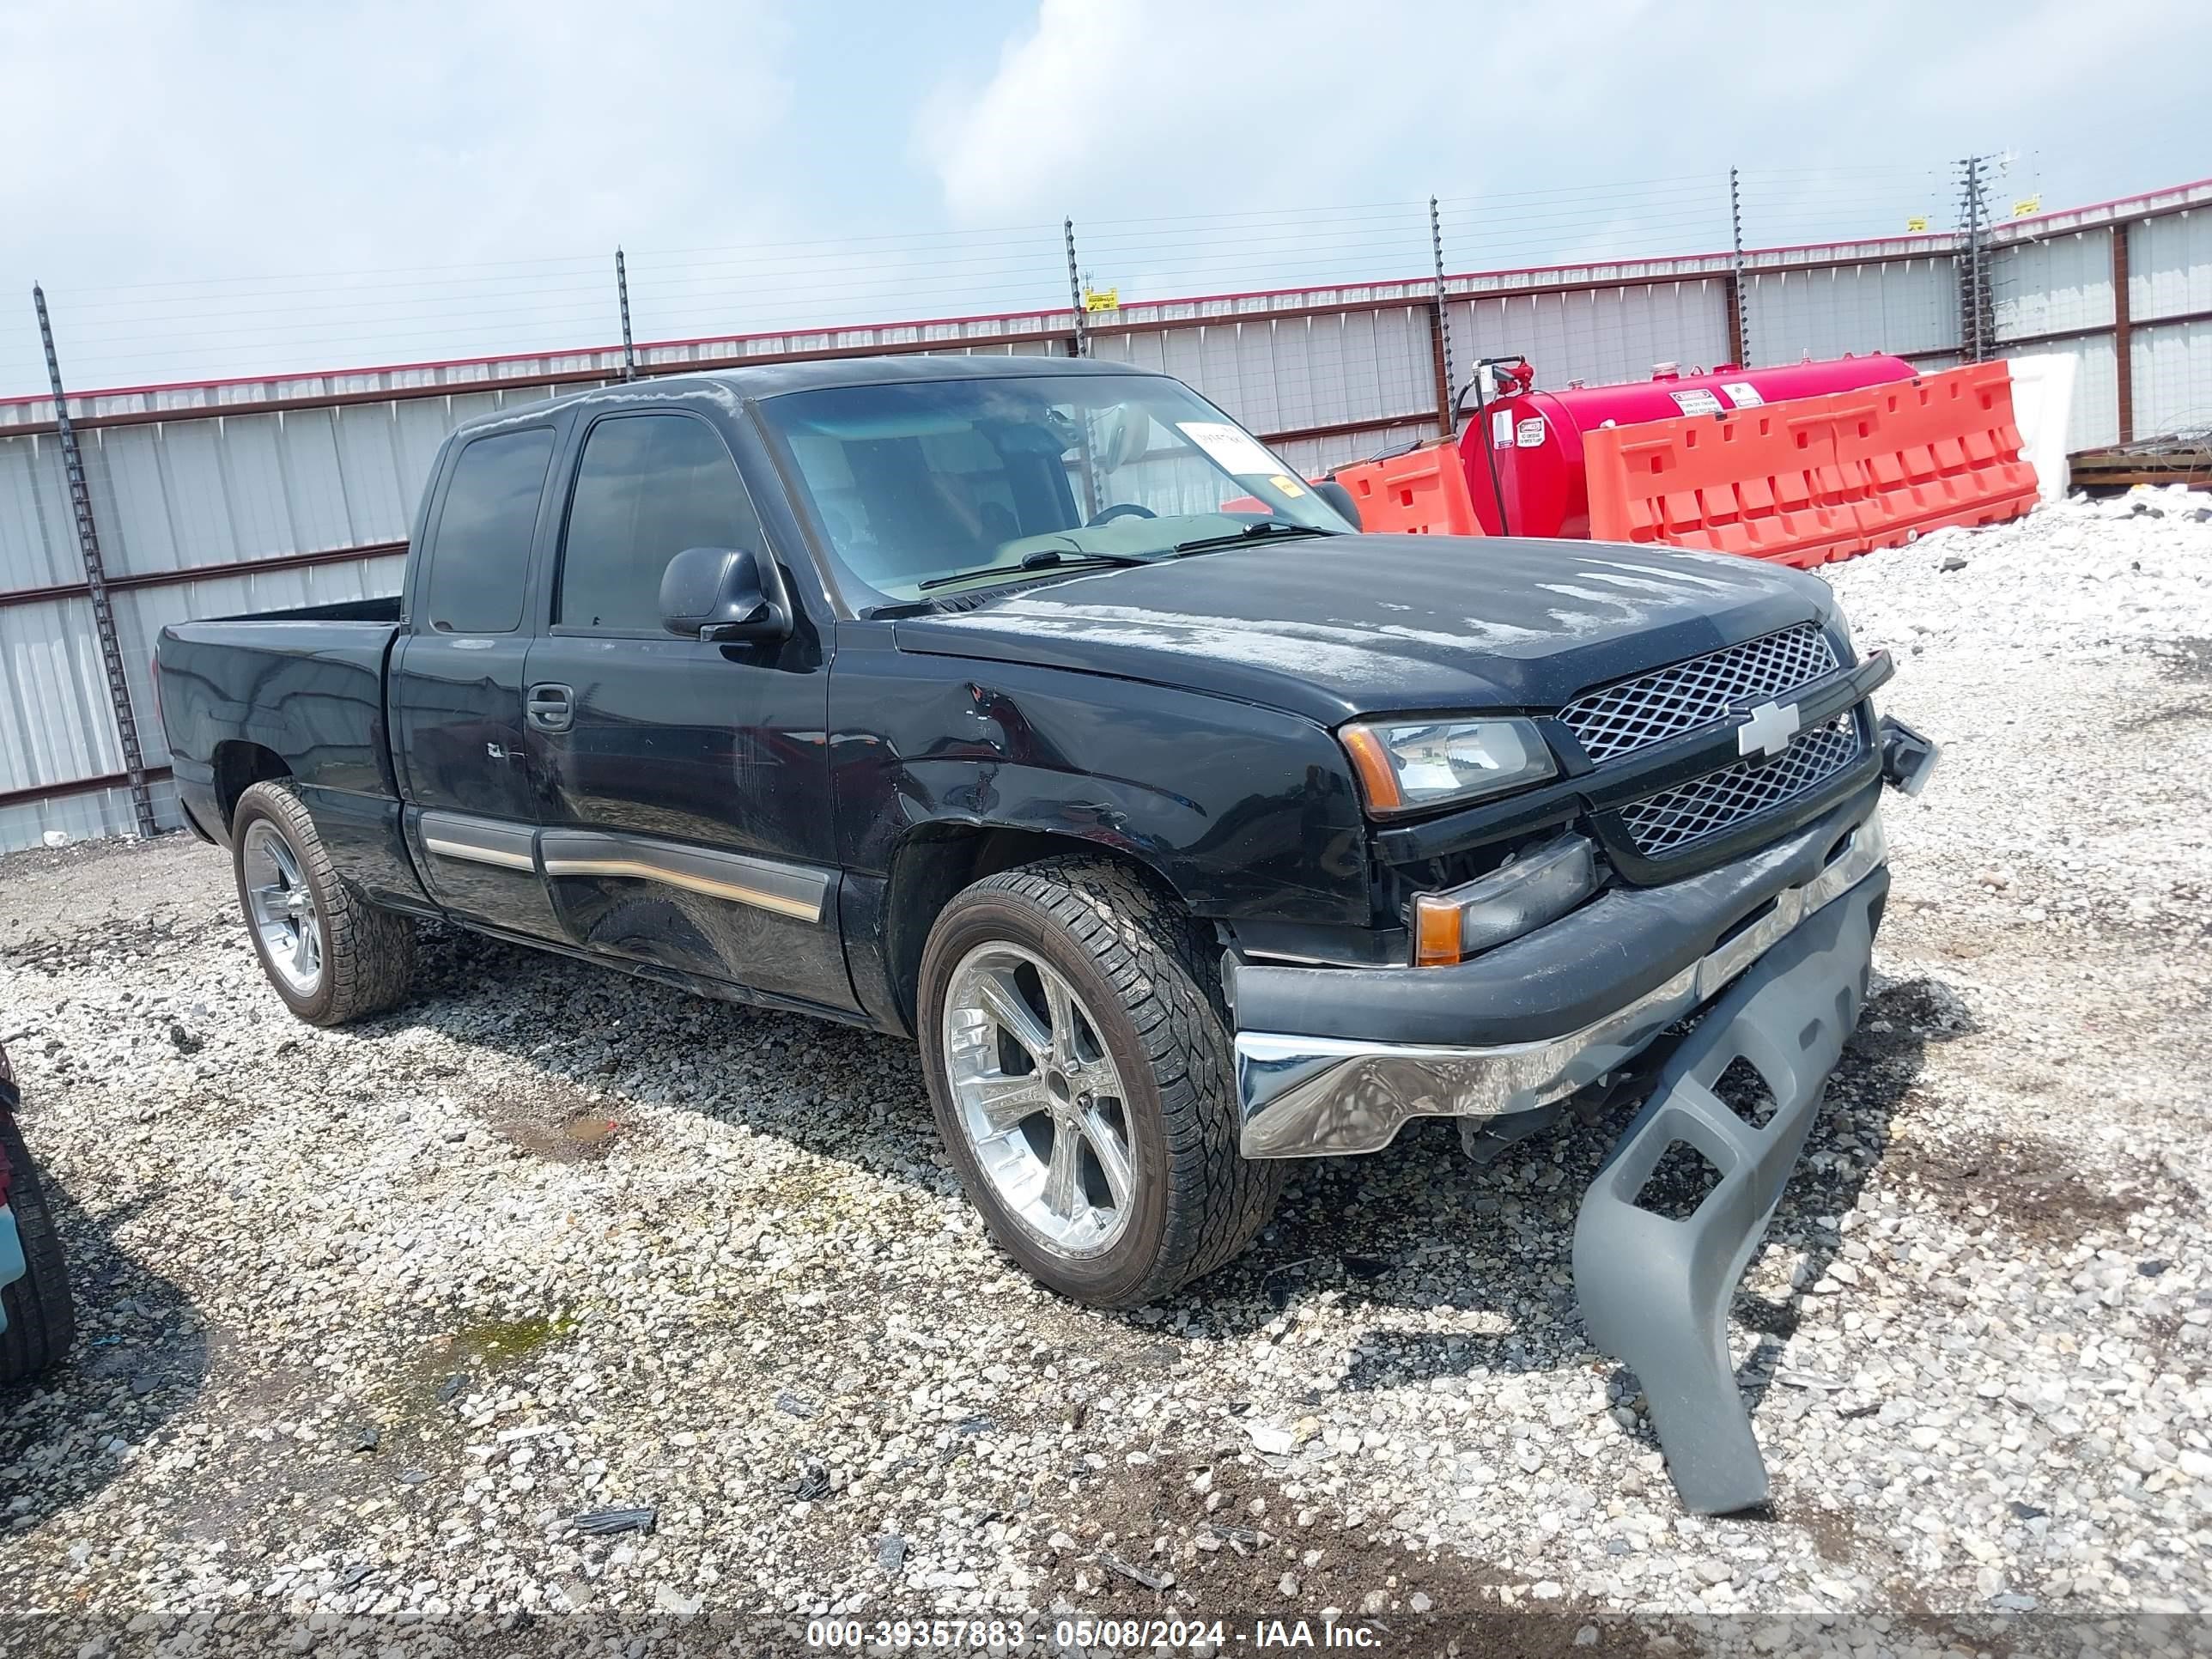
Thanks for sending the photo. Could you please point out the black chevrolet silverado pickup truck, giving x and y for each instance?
(1034, 710)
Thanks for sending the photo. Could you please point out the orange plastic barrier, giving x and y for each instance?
(1817, 478)
(1422, 492)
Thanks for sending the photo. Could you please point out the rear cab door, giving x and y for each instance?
(686, 792)
(456, 685)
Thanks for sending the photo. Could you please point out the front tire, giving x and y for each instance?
(1078, 1063)
(41, 1318)
(330, 954)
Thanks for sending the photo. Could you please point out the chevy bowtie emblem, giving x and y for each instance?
(1767, 731)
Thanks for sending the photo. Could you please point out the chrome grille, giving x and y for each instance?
(1672, 819)
(1619, 718)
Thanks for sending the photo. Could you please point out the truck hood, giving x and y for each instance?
(1349, 625)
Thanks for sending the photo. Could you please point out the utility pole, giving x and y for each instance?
(1977, 318)
(95, 580)
(1446, 417)
(1080, 345)
(1743, 342)
(622, 293)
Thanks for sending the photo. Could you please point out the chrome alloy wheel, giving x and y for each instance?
(1039, 1098)
(281, 906)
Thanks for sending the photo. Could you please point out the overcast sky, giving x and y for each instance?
(211, 187)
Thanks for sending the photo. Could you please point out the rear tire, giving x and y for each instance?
(329, 953)
(41, 1318)
(1161, 1194)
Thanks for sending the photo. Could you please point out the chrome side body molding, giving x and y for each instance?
(480, 840)
(786, 889)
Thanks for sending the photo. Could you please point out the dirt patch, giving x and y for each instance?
(552, 1119)
(1834, 1533)
(584, 1136)
(2030, 1187)
(1180, 1540)
(2188, 659)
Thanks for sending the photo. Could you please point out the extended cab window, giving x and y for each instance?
(480, 556)
(649, 487)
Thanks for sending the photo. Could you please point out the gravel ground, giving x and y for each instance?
(370, 1317)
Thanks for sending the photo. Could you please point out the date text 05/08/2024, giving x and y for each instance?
(1198, 1635)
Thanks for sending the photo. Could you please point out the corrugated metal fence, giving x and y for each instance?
(217, 499)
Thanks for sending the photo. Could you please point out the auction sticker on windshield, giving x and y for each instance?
(1233, 450)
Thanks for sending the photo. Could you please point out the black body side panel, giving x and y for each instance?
(1245, 810)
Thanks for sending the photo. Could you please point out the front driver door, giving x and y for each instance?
(686, 793)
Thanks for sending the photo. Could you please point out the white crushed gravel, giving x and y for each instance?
(369, 1316)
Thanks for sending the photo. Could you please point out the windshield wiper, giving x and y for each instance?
(1257, 530)
(1047, 558)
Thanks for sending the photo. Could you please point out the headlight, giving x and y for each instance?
(1404, 766)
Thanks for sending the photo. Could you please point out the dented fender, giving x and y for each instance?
(1246, 812)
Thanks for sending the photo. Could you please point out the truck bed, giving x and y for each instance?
(305, 686)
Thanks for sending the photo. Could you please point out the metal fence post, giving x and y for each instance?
(622, 294)
(1739, 298)
(1976, 322)
(1446, 414)
(2123, 359)
(1079, 345)
(95, 579)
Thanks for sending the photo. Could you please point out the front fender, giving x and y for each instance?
(1246, 812)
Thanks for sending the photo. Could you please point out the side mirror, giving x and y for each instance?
(718, 594)
(1339, 498)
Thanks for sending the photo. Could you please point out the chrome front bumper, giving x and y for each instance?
(1310, 1096)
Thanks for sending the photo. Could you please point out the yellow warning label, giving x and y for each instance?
(2026, 205)
(1102, 299)
(1916, 223)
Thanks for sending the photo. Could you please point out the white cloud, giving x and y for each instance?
(381, 127)
(1144, 107)
(163, 140)
(1114, 103)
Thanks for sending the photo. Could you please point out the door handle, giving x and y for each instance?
(550, 708)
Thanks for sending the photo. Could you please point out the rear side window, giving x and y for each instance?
(649, 487)
(480, 557)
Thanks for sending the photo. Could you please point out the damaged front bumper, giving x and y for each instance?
(1772, 954)
(1308, 1096)
(1654, 1290)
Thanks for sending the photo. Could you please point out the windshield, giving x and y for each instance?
(932, 487)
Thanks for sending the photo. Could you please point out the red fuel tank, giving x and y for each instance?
(1535, 438)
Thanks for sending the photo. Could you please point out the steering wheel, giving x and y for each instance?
(1119, 510)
